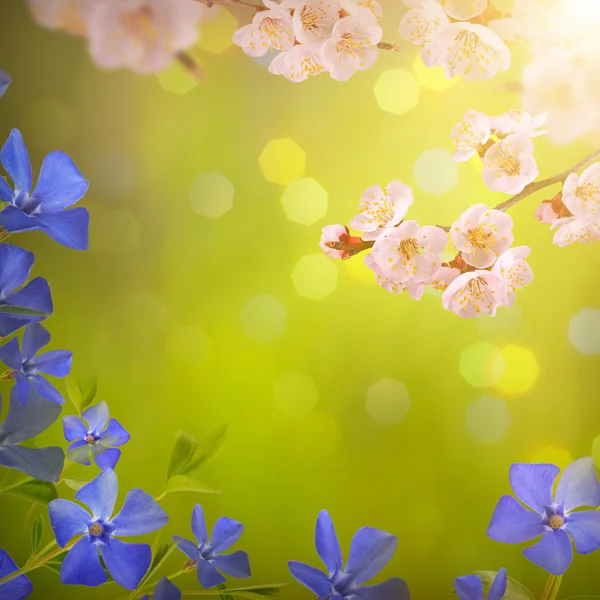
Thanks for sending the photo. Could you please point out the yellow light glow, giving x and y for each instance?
(553, 455)
(521, 370)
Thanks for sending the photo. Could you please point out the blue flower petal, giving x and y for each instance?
(10, 355)
(469, 587)
(533, 484)
(73, 428)
(13, 219)
(96, 416)
(68, 227)
(199, 525)
(24, 422)
(512, 523)
(15, 264)
(584, 528)
(45, 464)
(46, 389)
(16, 589)
(36, 295)
(127, 563)
(326, 541)
(6, 195)
(165, 590)
(140, 514)
(15, 161)
(498, 587)
(115, 434)
(553, 552)
(579, 485)
(23, 389)
(226, 532)
(82, 565)
(236, 564)
(100, 494)
(395, 589)
(188, 548)
(313, 579)
(5, 81)
(207, 575)
(68, 520)
(60, 183)
(35, 337)
(107, 459)
(370, 551)
(56, 363)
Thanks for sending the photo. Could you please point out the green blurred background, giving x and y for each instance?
(190, 322)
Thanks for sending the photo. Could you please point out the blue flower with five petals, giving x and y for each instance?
(59, 186)
(370, 551)
(16, 589)
(27, 366)
(15, 265)
(165, 590)
(95, 435)
(5, 81)
(553, 516)
(127, 563)
(207, 553)
(470, 587)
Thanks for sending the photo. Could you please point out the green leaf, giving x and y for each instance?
(183, 452)
(208, 449)
(32, 489)
(75, 483)
(37, 531)
(514, 590)
(159, 559)
(183, 483)
(21, 310)
(88, 389)
(74, 392)
(221, 586)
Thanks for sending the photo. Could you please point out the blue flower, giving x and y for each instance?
(127, 563)
(207, 553)
(548, 515)
(22, 423)
(27, 366)
(471, 587)
(4, 82)
(165, 590)
(18, 588)
(15, 265)
(93, 436)
(370, 551)
(59, 186)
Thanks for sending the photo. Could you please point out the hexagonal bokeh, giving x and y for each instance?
(294, 394)
(435, 171)
(388, 401)
(176, 79)
(216, 35)
(263, 318)
(282, 161)
(316, 436)
(432, 78)
(211, 195)
(520, 372)
(396, 91)
(315, 277)
(189, 346)
(481, 364)
(304, 201)
(584, 331)
(553, 455)
(488, 419)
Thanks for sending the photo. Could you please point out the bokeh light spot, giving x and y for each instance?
(316, 436)
(176, 79)
(481, 364)
(358, 271)
(584, 331)
(50, 120)
(488, 419)
(294, 394)
(315, 276)
(432, 78)
(520, 372)
(263, 318)
(388, 401)
(553, 455)
(114, 231)
(217, 35)
(476, 163)
(397, 91)
(211, 195)
(435, 171)
(304, 201)
(188, 346)
(282, 161)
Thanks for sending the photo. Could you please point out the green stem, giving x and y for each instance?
(548, 587)
(556, 588)
(151, 584)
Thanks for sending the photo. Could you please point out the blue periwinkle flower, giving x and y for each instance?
(15, 265)
(208, 553)
(18, 588)
(471, 587)
(59, 186)
(165, 590)
(22, 423)
(127, 563)
(540, 513)
(95, 435)
(28, 367)
(4, 82)
(370, 551)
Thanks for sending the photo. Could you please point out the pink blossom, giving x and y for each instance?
(475, 293)
(545, 213)
(481, 235)
(445, 276)
(313, 20)
(67, 15)
(581, 194)
(353, 6)
(463, 10)
(470, 134)
(381, 209)
(572, 230)
(337, 242)
(415, 290)
(517, 121)
(410, 252)
(299, 63)
(514, 270)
